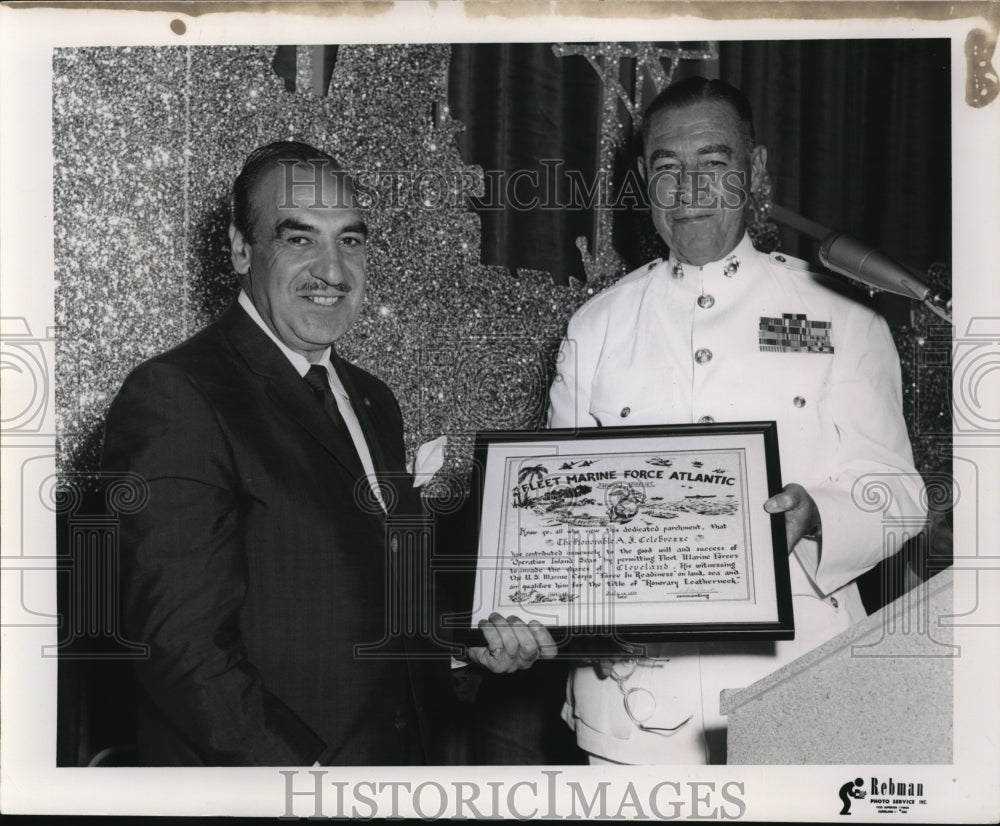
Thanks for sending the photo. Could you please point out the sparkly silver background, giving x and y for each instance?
(147, 142)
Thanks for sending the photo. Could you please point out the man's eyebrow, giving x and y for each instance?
(716, 149)
(359, 227)
(291, 225)
(662, 153)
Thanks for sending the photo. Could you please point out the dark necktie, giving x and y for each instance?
(319, 382)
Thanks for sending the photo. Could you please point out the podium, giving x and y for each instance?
(880, 692)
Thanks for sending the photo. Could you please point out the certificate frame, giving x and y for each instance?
(632, 535)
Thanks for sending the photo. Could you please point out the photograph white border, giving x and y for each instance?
(966, 791)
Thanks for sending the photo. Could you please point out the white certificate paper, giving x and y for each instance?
(631, 530)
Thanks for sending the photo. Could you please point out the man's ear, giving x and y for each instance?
(239, 251)
(758, 167)
(640, 163)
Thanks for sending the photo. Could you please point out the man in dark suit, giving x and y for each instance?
(260, 562)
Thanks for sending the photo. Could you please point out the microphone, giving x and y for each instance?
(846, 255)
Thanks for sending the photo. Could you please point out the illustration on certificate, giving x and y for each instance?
(639, 527)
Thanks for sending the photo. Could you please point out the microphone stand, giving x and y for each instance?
(848, 256)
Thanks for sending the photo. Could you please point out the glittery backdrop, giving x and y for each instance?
(147, 142)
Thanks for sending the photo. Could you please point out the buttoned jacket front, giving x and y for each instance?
(755, 337)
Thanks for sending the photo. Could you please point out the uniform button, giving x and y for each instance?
(798, 401)
(834, 603)
(706, 420)
(706, 302)
(703, 356)
(780, 258)
(625, 412)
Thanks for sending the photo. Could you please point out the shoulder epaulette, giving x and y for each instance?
(785, 260)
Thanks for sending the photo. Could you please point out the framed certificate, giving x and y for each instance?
(637, 533)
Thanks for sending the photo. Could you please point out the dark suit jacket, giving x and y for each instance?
(253, 572)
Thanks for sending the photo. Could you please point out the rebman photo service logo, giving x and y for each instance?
(886, 796)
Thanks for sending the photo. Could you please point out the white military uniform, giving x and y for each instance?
(751, 337)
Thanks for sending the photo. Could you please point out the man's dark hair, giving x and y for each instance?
(697, 90)
(257, 164)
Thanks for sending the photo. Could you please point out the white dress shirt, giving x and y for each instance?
(302, 365)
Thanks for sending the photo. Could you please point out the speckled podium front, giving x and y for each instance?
(880, 693)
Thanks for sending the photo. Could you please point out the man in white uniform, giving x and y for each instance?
(720, 332)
